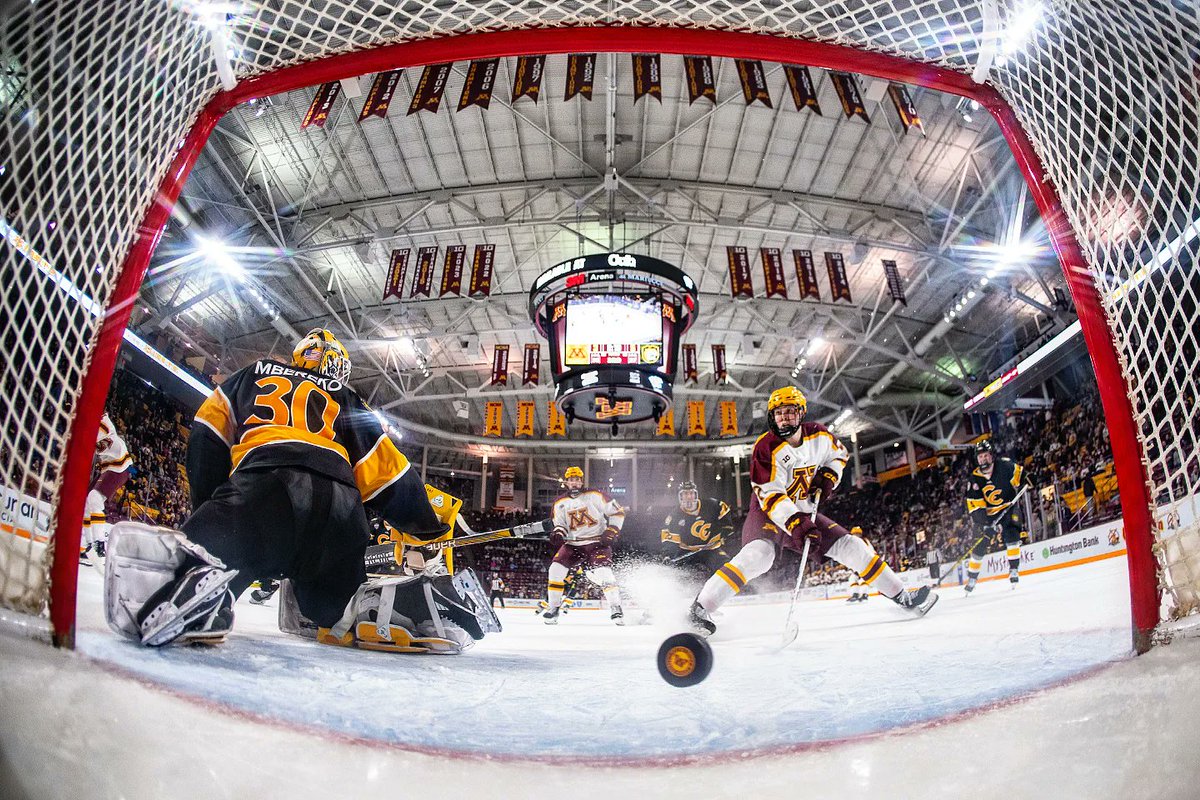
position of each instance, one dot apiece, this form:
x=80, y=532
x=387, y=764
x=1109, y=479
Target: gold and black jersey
x=705, y=530
x=271, y=415
x=989, y=496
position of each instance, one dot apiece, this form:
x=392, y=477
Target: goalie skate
x=189, y=605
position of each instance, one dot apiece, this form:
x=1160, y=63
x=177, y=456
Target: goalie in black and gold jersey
x=281, y=460
x=701, y=528
x=992, y=492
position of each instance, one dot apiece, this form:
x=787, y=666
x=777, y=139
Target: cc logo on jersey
x=700, y=529
x=992, y=495
x=580, y=518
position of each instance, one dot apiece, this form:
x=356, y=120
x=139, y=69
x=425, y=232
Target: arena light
x=1024, y=20
x=217, y=253
x=815, y=345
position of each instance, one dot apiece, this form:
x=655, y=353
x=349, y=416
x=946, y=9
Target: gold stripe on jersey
x=975, y=504
x=1016, y=478
x=724, y=510
x=769, y=502
x=556, y=586
x=673, y=538
x=873, y=569
x=262, y=435
x=217, y=414
x=382, y=465
x=119, y=462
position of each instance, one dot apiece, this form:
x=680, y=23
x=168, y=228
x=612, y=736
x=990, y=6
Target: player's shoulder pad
x=813, y=428
x=767, y=443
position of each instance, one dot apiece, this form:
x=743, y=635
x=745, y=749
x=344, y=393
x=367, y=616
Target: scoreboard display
x=611, y=329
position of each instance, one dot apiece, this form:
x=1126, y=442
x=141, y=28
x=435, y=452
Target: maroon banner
x=804, y=92
x=481, y=270
x=321, y=105
x=477, y=88
x=754, y=82
x=848, y=92
x=527, y=81
x=806, y=274
x=690, y=370
x=531, y=370
x=739, y=272
x=647, y=76
x=396, y=272
x=905, y=109
x=772, y=261
x=500, y=365
x=452, y=269
x=423, y=279
x=379, y=99
x=581, y=74
x=895, y=285
x=701, y=79
x=430, y=88
x=720, y=374
x=839, y=285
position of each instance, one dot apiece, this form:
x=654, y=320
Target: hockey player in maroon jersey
x=793, y=465
x=586, y=524
x=281, y=460
x=113, y=463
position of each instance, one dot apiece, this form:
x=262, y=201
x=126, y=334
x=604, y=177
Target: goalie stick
x=386, y=554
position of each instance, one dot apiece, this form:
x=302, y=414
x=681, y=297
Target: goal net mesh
x=97, y=98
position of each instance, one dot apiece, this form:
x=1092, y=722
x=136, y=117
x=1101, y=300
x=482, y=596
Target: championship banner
x=804, y=93
x=895, y=285
x=729, y=420
x=666, y=423
x=695, y=420
x=647, y=76
x=701, y=80
x=396, y=272
x=531, y=369
x=739, y=272
x=525, y=418
x=379, y=99
x=556, y=424
x=839, y=285
x=527, y=82
x=494, y=420
x=772, y=261
x=423, y=280
x=452, y=270
x=848, y=92
x=720, y=374
x=754, y=82
x=500, y=365
x=477, y=88
x=806, y=274
x=506, y=486
x=581, y=74
x=690, y=371
x=905, y=109
x=430, y=88
x=481, y=270
x=322, y=104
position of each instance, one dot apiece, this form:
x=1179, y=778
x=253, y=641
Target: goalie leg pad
x=141, y=560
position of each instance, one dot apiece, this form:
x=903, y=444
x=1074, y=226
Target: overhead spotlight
x=971, y=295
x=983, y=281
x=815, y=345
x=217, y=253
x=964, y=109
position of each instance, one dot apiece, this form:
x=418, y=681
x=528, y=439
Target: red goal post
x=893, y=40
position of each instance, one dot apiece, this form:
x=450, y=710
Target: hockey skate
x=700, y=621
x=264, y=593
x=918, y=602
x=1014, y=577
x=550, y=615
x=212, y=628
x=969, y=586
x=618, y=616
x=184, y=606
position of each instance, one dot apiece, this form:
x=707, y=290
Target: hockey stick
x=971, y=549
x=792, y=629
x=386, y=554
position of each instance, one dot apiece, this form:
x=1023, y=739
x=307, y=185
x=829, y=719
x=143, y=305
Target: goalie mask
x=689, y=497
x=573, y=474
x=783, y=398
x=320, y=351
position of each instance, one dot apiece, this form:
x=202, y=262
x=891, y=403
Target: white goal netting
x=97, y=98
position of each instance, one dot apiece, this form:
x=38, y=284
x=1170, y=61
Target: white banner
x=24, y=531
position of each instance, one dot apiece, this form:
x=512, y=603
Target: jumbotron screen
x=613, y=329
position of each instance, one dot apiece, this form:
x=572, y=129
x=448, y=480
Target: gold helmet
x=572, y=472
x=856, y=530
x=320, y=351
x=785, y=396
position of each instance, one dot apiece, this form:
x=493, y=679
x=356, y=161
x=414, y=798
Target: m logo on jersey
x=579, y=518
x=622, y=408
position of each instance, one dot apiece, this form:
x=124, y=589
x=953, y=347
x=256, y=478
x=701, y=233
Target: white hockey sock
x=607, y=581
x=753, y=560
x=858, y=556
x=555, y=585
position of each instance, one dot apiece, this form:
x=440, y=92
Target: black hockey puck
x=684, y=659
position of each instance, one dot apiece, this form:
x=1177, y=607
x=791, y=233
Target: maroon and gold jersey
x=780, y=473
x=583, y=519
x=270, y=415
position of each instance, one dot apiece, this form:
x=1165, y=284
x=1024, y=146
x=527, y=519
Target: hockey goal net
x=104, y=113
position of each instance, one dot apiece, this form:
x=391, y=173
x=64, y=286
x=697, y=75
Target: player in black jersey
x=281, y=460
x=991, y=494
x=701, y=527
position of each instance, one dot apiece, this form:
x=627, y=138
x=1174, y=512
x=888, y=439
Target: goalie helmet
x=785, y=396
x=689, y=497
x=320, y=351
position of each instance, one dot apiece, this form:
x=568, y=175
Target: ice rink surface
x=867, y=698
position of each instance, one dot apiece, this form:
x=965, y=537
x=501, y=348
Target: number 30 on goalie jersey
x=273, y=415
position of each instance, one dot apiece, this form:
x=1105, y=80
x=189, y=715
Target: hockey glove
x=823, y=482
x=801, y=525
x=557, y=539
x=609, y=536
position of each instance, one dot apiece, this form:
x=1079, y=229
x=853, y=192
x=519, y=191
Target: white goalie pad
x=141, y=560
